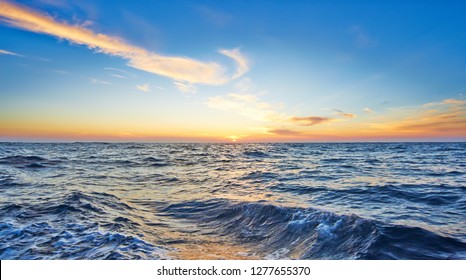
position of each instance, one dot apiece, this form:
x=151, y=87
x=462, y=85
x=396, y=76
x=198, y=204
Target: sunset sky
x=223, y=71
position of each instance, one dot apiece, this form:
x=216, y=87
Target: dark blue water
x=233, y=201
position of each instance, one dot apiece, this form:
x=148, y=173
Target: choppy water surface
x=233, y=201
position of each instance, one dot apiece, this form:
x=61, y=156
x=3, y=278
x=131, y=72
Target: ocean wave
x=307, y=233
x=32, y=162
x=22, y=159
x=255, y=154
x=71, y=241
x=430, y=195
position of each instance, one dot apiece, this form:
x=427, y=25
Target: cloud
x=250, y=105
x=447, y=117
x=245, y=104
x=118, y=76
x=346, y=115
x=447, y=103
x=460, y=102
x=242, y=63
x=144, y=87
x=439, y=124
x=177, y=68
x=9, y=53
x=185, y=87
x=310, y=120
x=97, y=81
x=368, y=110
x=284, y=132
x=120, y=71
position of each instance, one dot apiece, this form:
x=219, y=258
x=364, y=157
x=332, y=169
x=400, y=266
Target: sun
x=233, y=138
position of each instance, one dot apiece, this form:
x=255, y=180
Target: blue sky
x=233, y=70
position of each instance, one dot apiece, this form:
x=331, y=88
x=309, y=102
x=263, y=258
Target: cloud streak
x=120, y=71
x=310, y=120
x=97, y=81
x=345, y=115
x=284, y=132
x=448, y=115
x=9, y=53
x=177, y=68
x=443, y=118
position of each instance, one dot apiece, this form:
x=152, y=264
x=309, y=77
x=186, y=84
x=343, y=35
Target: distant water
x=233, y=201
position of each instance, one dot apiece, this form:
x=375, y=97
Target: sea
x=233, y=201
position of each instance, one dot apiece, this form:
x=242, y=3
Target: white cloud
x=245, y=104
x=118, y=76
x=178, y=68
x=368, y=110
x=120, y=71
x=185, y=87
x=97, y=81
x=144, y=87
x=9, y=53
x=242, y=62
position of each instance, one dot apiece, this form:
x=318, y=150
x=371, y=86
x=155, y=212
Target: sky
x=232, y=71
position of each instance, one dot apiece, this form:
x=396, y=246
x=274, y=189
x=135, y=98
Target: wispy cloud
x=368, y=110
x=118, y=76
x=284, y=132
x=120, y=71
x=144, y=87
x=178, y=68
x=9, y=53
x=97, y=81
x=346, y=115
x=435, y=118
x=310, y=120
x=185, y=87
x=245, y=104
x=459, y=102
x=242, y=63
x=448, y=115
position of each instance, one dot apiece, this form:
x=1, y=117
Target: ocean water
x=233, y=201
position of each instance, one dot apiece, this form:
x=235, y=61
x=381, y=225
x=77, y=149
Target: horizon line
x=228, y=142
